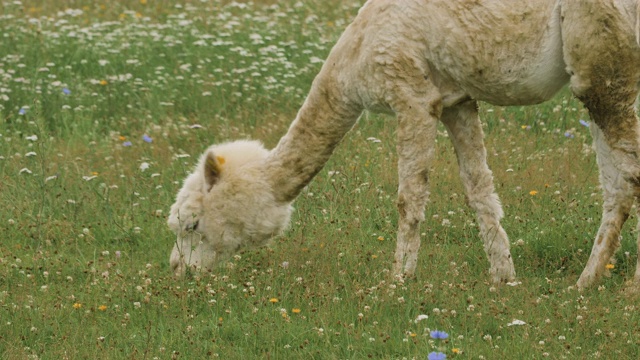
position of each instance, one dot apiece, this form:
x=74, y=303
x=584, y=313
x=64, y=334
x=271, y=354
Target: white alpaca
x=225, y=205
x=430, y=61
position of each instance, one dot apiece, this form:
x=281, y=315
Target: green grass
x=84, y=254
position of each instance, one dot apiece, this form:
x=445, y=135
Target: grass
x=104, y=109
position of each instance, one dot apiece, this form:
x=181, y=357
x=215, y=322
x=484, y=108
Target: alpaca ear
x=212, y=169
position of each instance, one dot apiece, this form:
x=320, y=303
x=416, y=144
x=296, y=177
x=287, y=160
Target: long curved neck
x=323, y=120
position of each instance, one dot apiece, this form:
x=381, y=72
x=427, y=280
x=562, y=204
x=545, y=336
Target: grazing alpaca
x=430, y=61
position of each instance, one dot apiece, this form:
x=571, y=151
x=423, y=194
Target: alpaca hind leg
x=618, y=200
x=604, y=76
x=416, y=134
x=465, y=131
x=635, y=283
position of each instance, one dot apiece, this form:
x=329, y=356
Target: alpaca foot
x=588, y=277
x=632, y=288
x=502, y=271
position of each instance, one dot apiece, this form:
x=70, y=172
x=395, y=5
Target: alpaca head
x=225, y=205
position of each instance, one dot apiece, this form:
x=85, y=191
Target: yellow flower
x=143, y=2
x=381, y=238
x=295, y=310
x=413, y=334
x=273, y=300
x=533, y=192
x=610, y=266
x=103, y=82
x=374, y=256
x=77, y=306
x=455, y=351
x=102, y=307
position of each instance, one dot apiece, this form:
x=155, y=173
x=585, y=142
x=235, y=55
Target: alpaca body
x=429, y=61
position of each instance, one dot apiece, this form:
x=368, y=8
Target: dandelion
x=610, y=266
x=77, y=305
x=380, y=238
x=440, y=335
x=102, y=307
x=436, y=356
x=533, y=192
x=456, y=351
x=273, y=300
x=104, y=82
x=147, y=138
x=296, y=311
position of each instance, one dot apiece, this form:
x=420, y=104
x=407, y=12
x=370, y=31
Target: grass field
x=106, y=106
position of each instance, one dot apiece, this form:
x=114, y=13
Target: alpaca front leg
x=618, y=199
x=416, y=140
x=465, y=131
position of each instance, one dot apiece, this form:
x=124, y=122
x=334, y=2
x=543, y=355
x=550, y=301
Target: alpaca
x=430, y=61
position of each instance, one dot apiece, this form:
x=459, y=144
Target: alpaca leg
x=466, y=133
x=618, y=199
x=416, y=134
x=604, y=76
x=636, y=278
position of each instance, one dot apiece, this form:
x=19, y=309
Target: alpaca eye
x=192, y=226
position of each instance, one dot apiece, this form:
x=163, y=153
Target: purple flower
x=568, y=135
x=437, y=334
x=584, y=123
x=66, y=91
x=147, y=138
x=126, y=143
x=22, y=111
x=436, y=356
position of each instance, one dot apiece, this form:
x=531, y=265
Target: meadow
x=106, y=106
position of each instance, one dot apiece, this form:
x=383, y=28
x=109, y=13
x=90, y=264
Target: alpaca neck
x=321, y=123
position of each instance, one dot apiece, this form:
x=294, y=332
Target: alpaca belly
x=496, y=52
x=504, y=86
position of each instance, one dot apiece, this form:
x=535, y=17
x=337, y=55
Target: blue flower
x=126, y=143
x=437, y=334
x=436, y=356
x=568, y=135
x=22, y=111
x=66, y=91
x=584, y=123
x=147, y=138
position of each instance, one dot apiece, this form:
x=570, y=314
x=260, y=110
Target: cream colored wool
x=429, y=61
